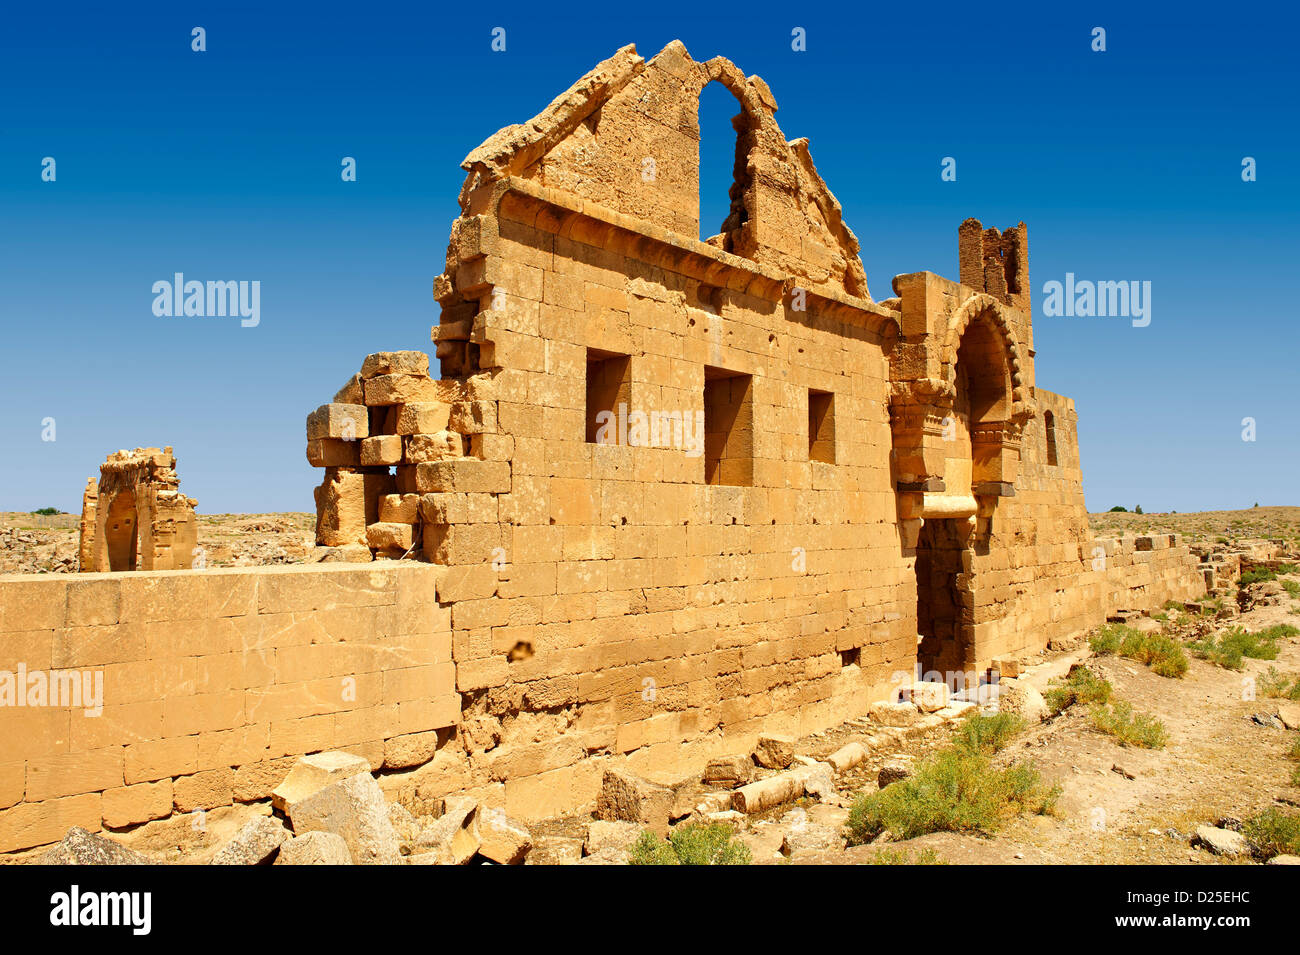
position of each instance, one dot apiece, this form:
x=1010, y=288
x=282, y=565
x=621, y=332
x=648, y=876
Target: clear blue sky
x=225, y=165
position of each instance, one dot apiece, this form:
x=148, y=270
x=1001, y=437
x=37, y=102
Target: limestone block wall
x=211, y=682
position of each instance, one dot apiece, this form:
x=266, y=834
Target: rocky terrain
x=40, y=544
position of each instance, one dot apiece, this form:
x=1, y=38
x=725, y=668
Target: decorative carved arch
x=977, y=306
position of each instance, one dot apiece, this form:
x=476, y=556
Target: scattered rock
x=729, y=770
x=313, y=773
x=453, y=838
x=254, y=844
x=1221, y=842
x=818, y=781
x=894, y=714
x=1289, y=714
x=627, y=798
x=847, y=756
x=1267, y=719
x=929, y=697
x=891, y=774
x=1025, y=701
x=555, y=850
x=353, y=808
x=810, y=837
x=314, y=848
x=774, y=752
x=1284, y=860
x=606, y=837
x=80, y=847
x=501, y=839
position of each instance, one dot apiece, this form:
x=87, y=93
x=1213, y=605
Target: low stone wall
x=211, y=684
x=214, y=681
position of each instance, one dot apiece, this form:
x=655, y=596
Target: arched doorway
x=120, y=532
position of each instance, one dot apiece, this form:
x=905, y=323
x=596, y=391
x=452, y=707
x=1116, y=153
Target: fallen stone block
x=627, y=798
x=313, y=773
x=818, y=781
x=928, y=697
x=501, y=839
x=847, y=756
x=1289, y=714
x=81, y=847
x=254, y=844
x=555, y=850
x=894, y=714
x=606, y=836
x=810, y=837
x=1221, y=842
x=729, y=770
x=314, y=848
x=1284, y=860
x=452, y=838
x=891, y=774
x=769, y=792
x=774, y=752
x=354, y=809
x=1023, y=700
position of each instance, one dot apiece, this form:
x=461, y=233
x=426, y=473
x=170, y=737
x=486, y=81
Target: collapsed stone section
x=405, y=463
x=135, y=517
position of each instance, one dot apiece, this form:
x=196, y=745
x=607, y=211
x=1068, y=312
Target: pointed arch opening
x=726, y=138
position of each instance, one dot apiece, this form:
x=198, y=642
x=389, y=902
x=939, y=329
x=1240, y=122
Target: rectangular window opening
x=609, y=385
x=821, y=426
x=728, y=427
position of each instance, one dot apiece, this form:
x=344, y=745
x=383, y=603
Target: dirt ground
x=1218, y=763
x=1205, y=526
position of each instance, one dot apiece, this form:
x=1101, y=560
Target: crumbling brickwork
x=663, y=496
x=135, y=517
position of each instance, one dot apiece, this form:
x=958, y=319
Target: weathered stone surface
x=314, y=848
x=605, y=837
x=313, y=773
x=1023, y=700
x=847, y=756
x=501, y=839
x=628, y=798
x=769, y=792
x=354, y=809
x=774, y=752
x=892, y=774
x=254, y=844
x=929, y=697
x=729, y=770
x=895, y=714
x=454, y=837
x=1289, y=715
x=80, y=847
x=1222, y=842
x=555, y=850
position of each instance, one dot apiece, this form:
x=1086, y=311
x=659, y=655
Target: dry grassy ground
x=1205, y=526
x=36, y=544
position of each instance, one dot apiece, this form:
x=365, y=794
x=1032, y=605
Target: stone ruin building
x=135, y=517
x=662, y=496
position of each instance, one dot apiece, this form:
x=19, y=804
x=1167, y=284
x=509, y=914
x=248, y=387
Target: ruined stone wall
x=213, y=682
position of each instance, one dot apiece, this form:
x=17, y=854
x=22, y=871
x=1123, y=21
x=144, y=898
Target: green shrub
x=1275, y=684
x=1162, y=654
x=986, y=734
x=1273, y=833
x=1228, y=649
x=903, y=857
x=1129, y=728
x=692, y=844
x=1081, y=686
x=1107, y=639
x=1256, y=576
x=1292, y=587
x=953, y=790
x=47, y=511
